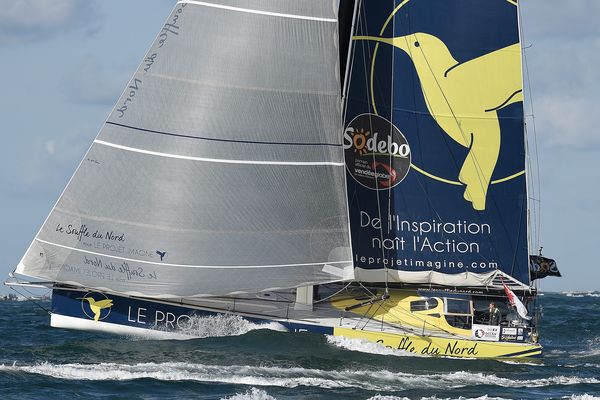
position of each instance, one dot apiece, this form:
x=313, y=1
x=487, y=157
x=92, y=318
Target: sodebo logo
x=364, y=145
x=377, y=153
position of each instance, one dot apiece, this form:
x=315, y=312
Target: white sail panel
x=220, y=169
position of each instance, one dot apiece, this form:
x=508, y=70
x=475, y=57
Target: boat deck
x=280, y=305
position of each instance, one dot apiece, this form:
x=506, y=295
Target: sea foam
x=365, y=346
x=484, y=397
x=582, y=294
x=252, y=394
x=367, y=379
x=218, y=325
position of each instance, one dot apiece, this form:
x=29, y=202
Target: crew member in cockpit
x=494, y=316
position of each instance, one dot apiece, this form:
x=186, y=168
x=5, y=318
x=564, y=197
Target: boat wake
x=218, y=325
x=290, y=377
x=364, y=346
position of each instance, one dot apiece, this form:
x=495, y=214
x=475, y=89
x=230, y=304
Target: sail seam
x=261, y=12
x=188, y=265
x=217, y=160
x=222, y=140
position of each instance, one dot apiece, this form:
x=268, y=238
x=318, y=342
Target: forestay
x=220, y=169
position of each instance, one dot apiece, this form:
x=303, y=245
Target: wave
x=252, y=394
x=579, y=366
x=528, y=362
x=582, y=397
x=258, y=394
x=374, y=380
x=582, y=294
x=593, y=349
x=364, y=346
x=484, y=397
x=218, y=325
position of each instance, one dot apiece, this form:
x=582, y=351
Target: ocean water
x=237, y=361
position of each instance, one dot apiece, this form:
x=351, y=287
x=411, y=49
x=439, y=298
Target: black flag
x=541, y=267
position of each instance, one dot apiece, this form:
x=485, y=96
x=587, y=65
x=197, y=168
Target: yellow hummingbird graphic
x=97, y=306
x=463, y=99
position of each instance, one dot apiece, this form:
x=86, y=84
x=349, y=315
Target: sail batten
x=260, y=12
x=214, y=160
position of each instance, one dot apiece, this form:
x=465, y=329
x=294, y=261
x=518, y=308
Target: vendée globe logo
x=377, y=154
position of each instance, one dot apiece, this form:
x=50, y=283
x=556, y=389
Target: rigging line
x=366, y=289
x=398, y=322
x=363, y=316
x=31, y=300
x=377, y=189
x=397, y=325
x=535, y=140
x=530, y=178
x=389, y=210
x=393, y=312
x=444, y=136
x=350, y=58
x=384, y=26
x=374, y=314
x=366, y=53
x=335, y=294
x=532, y=205
x=536, y=207
x=414, y=93
x=424, y=191
x=514, y=260
x=349, y=71
x=180, y=135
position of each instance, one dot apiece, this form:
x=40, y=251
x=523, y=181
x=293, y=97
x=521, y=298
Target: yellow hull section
x=445, y=347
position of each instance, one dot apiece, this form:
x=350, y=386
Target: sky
x=64, y=63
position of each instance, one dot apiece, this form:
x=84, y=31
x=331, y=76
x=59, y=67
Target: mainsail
x=220, y=169
x=434, y=143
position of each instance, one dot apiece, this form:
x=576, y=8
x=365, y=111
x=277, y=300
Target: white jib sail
x=220, y=169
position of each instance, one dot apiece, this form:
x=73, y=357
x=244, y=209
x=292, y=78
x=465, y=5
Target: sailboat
x=350, y=168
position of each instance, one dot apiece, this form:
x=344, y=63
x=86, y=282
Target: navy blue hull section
x=147, y=314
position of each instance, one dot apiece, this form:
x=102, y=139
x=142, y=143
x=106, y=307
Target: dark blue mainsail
x=434, y=142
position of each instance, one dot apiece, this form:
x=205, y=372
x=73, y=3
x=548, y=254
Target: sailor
x=494, y=314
